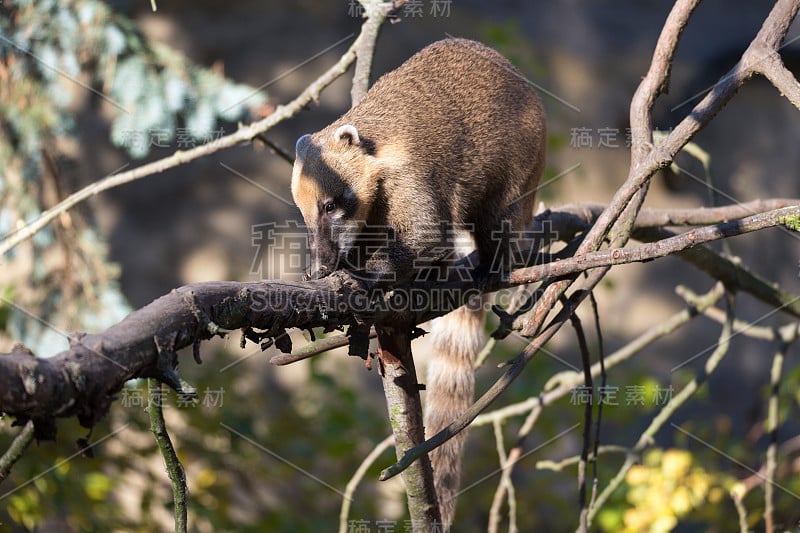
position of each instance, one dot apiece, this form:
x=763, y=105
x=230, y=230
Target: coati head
x=334, y=185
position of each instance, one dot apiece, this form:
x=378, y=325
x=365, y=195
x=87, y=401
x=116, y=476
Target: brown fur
x=455, y=134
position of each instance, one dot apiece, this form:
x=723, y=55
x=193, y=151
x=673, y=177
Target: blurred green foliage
x=53, y=55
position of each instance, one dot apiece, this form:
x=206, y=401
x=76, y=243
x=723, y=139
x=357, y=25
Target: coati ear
x=301, y=147
x=347, y=133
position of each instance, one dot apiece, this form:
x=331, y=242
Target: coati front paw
x=482, y=274
x=316, y=273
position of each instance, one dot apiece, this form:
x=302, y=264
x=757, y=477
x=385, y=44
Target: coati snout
x=333, y=213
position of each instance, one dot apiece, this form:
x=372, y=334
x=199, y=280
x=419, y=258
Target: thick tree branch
x=401, y=389
x=83, y=380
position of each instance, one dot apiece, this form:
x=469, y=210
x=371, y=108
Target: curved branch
x=359, y=474
x=376, y=12
x=656, y=81
x=180, y=157
x=15, y=451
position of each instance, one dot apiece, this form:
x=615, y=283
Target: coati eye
x=329, y=206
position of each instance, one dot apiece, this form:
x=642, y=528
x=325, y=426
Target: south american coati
x=453, y=139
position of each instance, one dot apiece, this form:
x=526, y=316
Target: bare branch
x=16, y=450
x=375, y=12
x=772, y=430
x=177, y=475
x=785, y=334
x=562, y=384
x=359, y=474
x=314, y=348
x=505, y=485
x=656, y=81
x=557, y=466
x=661, y=248
x=242, y=135
x=731, y=272
x=587, y=420
x=574, y=218
x=781, y=77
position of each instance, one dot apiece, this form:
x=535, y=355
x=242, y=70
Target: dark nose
x=324, y=255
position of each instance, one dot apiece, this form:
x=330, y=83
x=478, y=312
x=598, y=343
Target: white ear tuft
x=347, y=132
x=301, y=147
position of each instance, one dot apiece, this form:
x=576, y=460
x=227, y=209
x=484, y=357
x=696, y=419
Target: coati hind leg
x=498, y=238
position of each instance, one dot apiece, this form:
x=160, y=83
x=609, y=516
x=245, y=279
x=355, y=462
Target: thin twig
x=558, y=466
x=756, y=479
x=787, y=333
x=508, y=486
x=176, y=473
x=741, y=512
x=772, y=430
x=314, y=348
x=587, y=419
x=602, y=361
x=730, y=271
x=563, y=383
x=277, y=150
x=16, y=450
x=505, y=486
x=646, y=438
x=352, y=485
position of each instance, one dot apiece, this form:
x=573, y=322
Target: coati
x=453, y=138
